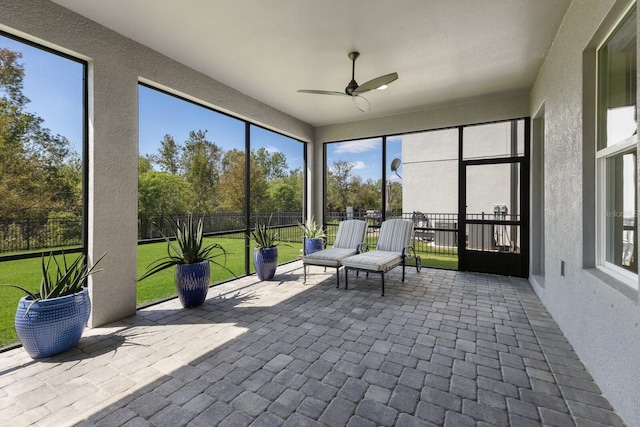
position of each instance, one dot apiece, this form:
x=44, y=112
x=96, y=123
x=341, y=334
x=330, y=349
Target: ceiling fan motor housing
x=353, y=85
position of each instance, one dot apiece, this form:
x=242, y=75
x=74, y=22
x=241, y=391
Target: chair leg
x=338, y=277
x=346, y=278
x=382, y=275
x=304, y=269
x=403, y=265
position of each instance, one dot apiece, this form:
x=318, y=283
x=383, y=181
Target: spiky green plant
x=60, y=278
x=312, y=230
x=188, y=248
x=264, y=236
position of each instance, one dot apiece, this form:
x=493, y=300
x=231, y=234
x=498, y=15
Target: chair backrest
x=395, y=235
x=350, y=234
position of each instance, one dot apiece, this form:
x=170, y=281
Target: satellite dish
x=395, y=164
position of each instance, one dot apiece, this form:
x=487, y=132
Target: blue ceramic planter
x=313, y=245
x=192, y=283
x=52, y=326
x=265, y=261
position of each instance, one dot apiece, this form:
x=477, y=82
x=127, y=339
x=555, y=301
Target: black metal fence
x=33, y=234
x=434, y=233
x=229, y=224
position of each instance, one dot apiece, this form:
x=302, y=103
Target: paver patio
x=443, y=348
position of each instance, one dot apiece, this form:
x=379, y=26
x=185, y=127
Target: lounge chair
x=349, y=240
x=393, y=249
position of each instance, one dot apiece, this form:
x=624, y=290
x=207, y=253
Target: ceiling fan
x=354, y=90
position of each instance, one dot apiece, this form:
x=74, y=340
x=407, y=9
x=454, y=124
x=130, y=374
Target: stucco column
x=315, y=196
x=113, y=182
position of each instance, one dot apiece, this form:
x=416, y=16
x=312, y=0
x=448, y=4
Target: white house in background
x=430, y=180
x=430, y=169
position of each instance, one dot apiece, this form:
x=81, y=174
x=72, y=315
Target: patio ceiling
x=445, y=52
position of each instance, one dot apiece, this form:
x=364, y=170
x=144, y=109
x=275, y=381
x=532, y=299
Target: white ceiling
x=444, y=51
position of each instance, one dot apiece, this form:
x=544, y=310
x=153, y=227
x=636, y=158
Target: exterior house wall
x=116, y=65
x=430, y=169
x=600, y=318
x=430, y=172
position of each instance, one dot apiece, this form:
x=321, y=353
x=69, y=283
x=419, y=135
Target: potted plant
x=192, y=260
x=314, y=236
x=51, y=321
x=265, y=251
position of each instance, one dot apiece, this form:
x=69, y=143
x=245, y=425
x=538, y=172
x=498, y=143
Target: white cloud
x=392, y=139
x=359, y=146
x=358, y=164
x=271, y=149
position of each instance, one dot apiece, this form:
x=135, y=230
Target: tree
x=286, y=193
x=232, y=184
x=338, y=184
x=365, y=195
x=162, y=195
x=283, y=197
x=168, y=158
x=396, y=196
x=201, y=163
x=38, y=172
x=144, y=164
x=273, y=165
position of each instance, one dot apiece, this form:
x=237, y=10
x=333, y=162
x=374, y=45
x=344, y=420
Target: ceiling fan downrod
x=353, y=85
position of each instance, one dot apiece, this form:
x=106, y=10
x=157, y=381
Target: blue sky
x=366, y=156
x=54, y=86
x=162, y=114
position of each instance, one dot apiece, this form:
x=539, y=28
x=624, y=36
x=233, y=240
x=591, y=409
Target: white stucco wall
x=600, y=321
x=430, y=169
x=116, y=65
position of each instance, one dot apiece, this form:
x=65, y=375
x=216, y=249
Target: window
x=42, y=146
x=42, y=165
x=192, y=160
x=354, y=179
x=393, y=175
x=277, y=187
x=616, y=155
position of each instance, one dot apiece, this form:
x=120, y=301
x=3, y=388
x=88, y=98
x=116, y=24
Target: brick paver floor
x=443, y=348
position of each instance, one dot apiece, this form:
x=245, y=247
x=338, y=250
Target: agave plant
x=264, y=236
x=188, y=247
x=312, y=230
x=60, y=277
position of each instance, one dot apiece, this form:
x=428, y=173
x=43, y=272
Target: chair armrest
x=406, y=252
x=362, y=247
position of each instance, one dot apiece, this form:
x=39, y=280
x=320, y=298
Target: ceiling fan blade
x=324, y=92
x=361, y=103
x=376, y=83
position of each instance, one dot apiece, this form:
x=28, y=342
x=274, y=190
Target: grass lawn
x=27, y=273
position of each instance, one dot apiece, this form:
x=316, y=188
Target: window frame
x=602, y=155
x=83, y=247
